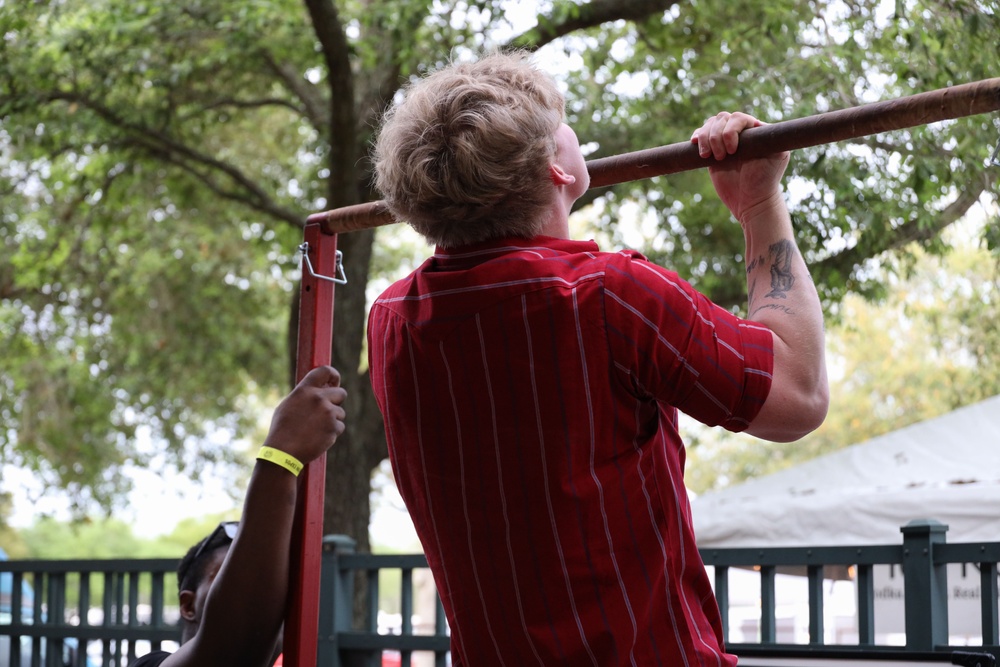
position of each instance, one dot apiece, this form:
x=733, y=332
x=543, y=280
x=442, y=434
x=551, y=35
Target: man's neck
x=557, y=224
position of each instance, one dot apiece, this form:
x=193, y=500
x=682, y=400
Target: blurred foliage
x=10, y=539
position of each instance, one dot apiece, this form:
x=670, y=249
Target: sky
x=158, y=503
x=153, y=508
x=162, y=499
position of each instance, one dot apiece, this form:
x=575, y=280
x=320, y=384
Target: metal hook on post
x=994, y=161
x=340, y=278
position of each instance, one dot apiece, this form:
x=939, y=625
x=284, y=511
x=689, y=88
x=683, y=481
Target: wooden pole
x=825, y=128
x=921, y=109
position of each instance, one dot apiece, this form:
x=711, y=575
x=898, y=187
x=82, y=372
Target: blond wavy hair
x=465, y=157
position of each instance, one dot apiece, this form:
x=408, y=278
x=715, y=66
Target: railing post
x=55, y=615
x=722, y=597
x=16, y=603
x=989, y=594
x=816, y=602
x=866, y=604
x=336, y=599
x=925, y=584
x=768, y=602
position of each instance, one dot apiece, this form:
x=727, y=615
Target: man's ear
x=560, y=177
x=188, y=612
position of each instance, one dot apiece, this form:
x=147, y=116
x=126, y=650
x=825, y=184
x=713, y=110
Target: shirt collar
x=470, y=255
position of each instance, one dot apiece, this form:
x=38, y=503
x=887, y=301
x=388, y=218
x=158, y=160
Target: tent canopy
x=947, y=468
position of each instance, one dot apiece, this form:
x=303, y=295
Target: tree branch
x=176, y=152
x=8, y=289
x=330, y=33
x=205, y=177
x=917, y=229
x=375, y=93
x=248, y=104
x=588, y=15
x=316, y=108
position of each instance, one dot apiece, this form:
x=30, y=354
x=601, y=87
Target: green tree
x=106, y=539
x=158, y=159
x=50, y=539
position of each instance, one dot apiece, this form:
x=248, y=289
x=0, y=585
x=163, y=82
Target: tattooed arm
x=780, y=290
x=782, y=296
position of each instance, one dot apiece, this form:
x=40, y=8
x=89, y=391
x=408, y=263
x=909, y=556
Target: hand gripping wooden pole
x=921, y=109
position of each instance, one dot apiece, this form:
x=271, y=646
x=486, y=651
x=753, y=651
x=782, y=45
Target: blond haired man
x=530, y=383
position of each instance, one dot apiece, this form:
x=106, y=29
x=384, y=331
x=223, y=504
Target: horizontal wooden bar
x=911, y=111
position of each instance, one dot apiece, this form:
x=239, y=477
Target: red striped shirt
x=530, y=391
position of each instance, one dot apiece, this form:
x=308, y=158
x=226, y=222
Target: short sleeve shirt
x=530, y=390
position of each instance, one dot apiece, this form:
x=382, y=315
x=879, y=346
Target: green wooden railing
x=40, y=623
x=129, y=610
x=922, y=557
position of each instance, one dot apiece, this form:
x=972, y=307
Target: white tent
x=946, y=469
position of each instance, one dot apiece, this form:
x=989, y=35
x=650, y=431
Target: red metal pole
x=315, y=342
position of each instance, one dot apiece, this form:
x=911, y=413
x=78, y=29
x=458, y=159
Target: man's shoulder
x=471, y=276
x=151, y=659
x=634, y=267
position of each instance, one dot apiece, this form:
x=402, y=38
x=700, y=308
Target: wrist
x=281, y=458
x=765, y=209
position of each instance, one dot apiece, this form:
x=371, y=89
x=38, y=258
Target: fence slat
x=990, y=603
x=866, y=604
x=815, y=587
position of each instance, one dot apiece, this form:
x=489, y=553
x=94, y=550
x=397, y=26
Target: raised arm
x=245, y=607
x=781, y=292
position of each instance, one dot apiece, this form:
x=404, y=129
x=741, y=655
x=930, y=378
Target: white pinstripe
x=503, y=496
x=465, y=502
x=597, y=481
x=423, y=463
x=481, y=288
x=652, y=325
x=684, y=566
x=659, y=538
x=545, y=479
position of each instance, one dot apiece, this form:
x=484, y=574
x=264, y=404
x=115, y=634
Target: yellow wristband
x=278, y=457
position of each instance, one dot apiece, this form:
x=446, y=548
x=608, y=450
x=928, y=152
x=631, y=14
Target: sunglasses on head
x=223, y=535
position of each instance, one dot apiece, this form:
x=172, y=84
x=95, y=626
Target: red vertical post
x=315, y=342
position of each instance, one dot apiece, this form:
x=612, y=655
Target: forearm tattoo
x=782, y=279
x=781, y=255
